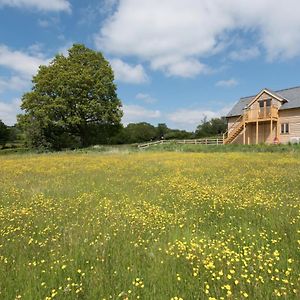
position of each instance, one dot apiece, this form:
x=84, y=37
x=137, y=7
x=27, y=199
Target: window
x=268, y=102
x=261, y=103
x=285, y=128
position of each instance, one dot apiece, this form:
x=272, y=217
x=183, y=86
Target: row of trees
x=132, y=133
x=142, y=132
x=73, y=103
x=8, y=134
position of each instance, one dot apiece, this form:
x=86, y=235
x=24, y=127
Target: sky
x=175, y=61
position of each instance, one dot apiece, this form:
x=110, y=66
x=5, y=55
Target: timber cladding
x=267, y=117
x=291, y=117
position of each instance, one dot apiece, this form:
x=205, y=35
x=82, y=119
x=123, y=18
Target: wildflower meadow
x=172, y=226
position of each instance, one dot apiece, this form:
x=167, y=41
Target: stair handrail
x=238, y=120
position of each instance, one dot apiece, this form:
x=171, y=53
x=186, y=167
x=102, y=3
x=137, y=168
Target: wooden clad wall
x=291, y=116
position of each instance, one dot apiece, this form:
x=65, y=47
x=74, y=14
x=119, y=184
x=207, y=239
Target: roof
x=292, y=95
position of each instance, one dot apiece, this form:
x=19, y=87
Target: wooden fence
x=216, y=141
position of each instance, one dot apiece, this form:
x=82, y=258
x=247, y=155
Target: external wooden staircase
x=231, y=134
x=265, y=114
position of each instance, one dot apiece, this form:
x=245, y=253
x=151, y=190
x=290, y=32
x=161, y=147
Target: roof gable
x=290, y=98
x=271, y=94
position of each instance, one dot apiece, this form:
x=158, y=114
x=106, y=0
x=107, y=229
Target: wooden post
x=244, y=134
x=271, y=130
x=256, y=132
x=249, y=132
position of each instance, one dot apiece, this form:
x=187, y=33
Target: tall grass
x=150, y=226
x=225, y=148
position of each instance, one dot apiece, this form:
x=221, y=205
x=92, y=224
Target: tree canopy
x=4, y=134
x=213, y=127
x=139, y=132
x=144, y=132
x=73, y=101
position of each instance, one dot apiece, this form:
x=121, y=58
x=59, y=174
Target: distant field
x=170, y=147
x=150, y=226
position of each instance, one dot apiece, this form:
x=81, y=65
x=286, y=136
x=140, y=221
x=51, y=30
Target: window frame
x=285, y=128
x=269, y=101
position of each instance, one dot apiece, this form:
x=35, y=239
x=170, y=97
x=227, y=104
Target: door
x=265, y=108
x=268, y=108
x=261, y=109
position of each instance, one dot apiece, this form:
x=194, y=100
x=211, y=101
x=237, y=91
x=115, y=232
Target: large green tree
x=73, y=101
x=4, y=134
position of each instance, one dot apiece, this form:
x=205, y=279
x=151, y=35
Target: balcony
x=261, y=114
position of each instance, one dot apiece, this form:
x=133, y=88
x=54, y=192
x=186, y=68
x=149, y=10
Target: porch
x=260, y=131
x=260, y=125
x=254, y=126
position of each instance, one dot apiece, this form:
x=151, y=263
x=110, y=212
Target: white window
x=285, y=128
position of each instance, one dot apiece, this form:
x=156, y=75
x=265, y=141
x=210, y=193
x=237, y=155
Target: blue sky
x=175, y=61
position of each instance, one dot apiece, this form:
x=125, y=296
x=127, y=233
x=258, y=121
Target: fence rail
x=216, y=141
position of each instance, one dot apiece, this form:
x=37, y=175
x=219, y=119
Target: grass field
x=150, y=226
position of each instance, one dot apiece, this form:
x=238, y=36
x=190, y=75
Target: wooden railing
x=258, y=114
x=267, y=113
x=208, y=141
x=233, y=127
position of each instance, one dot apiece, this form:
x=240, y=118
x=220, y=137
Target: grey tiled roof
x=292, y=95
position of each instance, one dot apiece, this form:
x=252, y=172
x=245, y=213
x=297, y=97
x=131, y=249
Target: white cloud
x=21, y=62
x=44, y=23
x=108, y=5
x=92, y=12
x=190, y=116
x=227, y=83
x=22, y=66
x=137, y=113
x=64, y=50
x=188, y=119
x=175, y=36
x=48, y=21
x=244, y=54
x=145, y=98
x=9, y=111
x=178, y=67
x=43, y=5
x=15, y=83
x=128, y=73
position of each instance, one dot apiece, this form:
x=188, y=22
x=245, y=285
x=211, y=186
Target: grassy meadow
x=150, y=226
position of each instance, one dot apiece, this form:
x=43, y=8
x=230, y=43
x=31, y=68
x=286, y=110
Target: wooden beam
x=271, y=130
x=249, y=133
x=244, y=134
x=256, y=132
